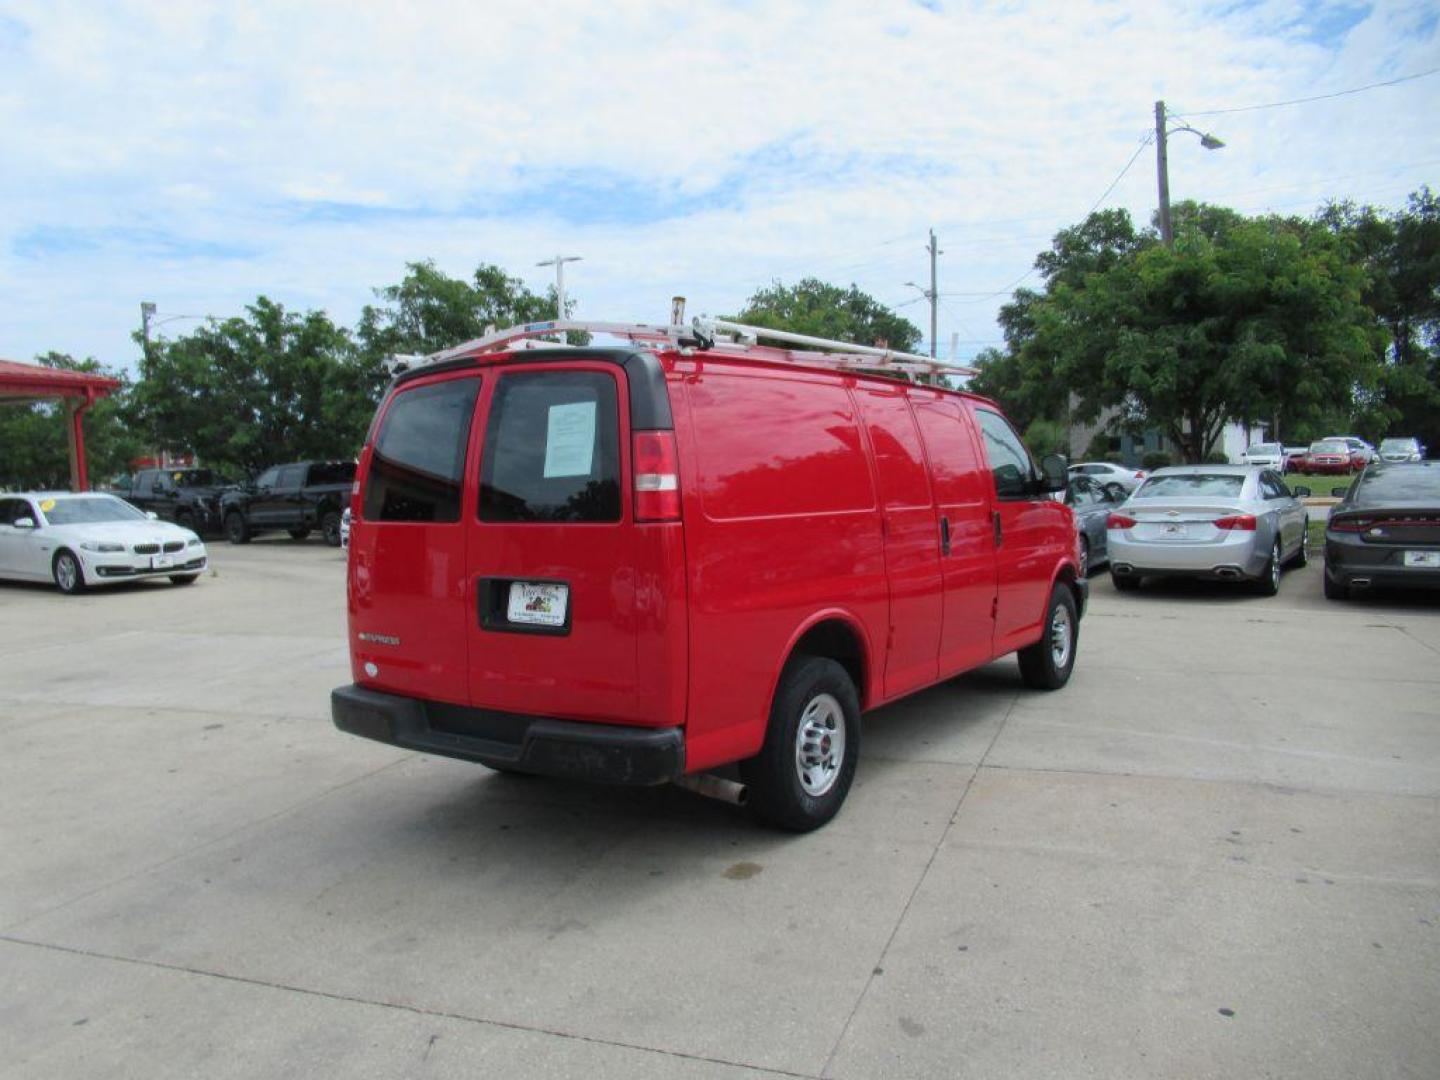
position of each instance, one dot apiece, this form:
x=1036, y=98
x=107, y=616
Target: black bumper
x=603, y=753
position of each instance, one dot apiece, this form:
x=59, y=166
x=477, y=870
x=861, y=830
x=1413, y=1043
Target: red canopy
x=78, y=390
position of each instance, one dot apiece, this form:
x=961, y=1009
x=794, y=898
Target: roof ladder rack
x=732, y=339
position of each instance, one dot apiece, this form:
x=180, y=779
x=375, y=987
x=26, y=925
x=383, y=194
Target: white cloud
x=198, y=155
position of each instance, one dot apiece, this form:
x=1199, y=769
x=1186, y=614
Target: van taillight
x=1119, y=521
x=657, y=476
x=1239, y=522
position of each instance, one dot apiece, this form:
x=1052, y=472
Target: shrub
x=1156, y=459
x=1215, y=457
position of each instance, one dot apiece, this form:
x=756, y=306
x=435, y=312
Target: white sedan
x=79, y=540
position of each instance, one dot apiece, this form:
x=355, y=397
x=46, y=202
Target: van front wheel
x=1047, y=664
x=803, y=772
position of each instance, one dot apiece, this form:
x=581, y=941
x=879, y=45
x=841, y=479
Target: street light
x=1162, y=166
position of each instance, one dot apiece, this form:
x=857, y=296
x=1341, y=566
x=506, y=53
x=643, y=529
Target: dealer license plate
x=1175, y=530
x=538, y=604
x=161, y=562
x=1423, y=558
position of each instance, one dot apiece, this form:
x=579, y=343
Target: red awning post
x=75, y=432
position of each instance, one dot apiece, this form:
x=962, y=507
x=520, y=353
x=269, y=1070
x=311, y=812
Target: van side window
x=418, y=463
x=552, y=449
x=899, y=460
x=953, y=457
x=1009, y=460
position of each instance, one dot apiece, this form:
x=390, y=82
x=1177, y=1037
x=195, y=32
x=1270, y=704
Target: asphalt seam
x=879, y=965
x=416, y=1010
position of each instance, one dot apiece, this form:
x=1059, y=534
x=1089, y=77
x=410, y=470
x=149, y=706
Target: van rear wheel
x=802, y=774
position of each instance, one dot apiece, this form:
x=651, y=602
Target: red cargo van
x=644, y=563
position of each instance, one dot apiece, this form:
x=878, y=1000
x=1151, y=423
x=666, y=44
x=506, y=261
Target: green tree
x=822, y=310
x=246, y=392
x=34, y=448
x=1242, y=319
x=429, y=311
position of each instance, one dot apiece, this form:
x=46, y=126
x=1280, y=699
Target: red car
x=645, y=563
x=1330, y=457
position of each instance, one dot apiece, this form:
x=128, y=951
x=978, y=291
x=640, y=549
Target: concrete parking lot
x=1194, y=861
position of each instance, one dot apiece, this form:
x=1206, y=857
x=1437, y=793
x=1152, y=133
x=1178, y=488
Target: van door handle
x=944, y=535
x=999, y=534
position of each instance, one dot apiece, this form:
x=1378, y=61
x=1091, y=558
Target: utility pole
x=934, y=293
x=559, y=262
x=1162, y=169
x=147, y=312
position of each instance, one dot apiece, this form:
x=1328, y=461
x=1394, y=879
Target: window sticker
x=47, y=506
x=570, y=440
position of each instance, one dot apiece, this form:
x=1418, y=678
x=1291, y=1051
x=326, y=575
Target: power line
x=1317, y=97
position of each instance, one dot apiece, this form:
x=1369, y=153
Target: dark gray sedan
x=1386, y=530
x=1092, y=503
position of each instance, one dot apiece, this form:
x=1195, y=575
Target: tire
x=1084, y=557
x=186, y=520
x=1268, y=583
x=1335, y=590
x=802, y=774
x=183, y=579
x=69, y=575
x=330, y=528
x=236, y=531
x=1047, y=664
x=1124, y=582
x=298, y=534
x=1302, y=556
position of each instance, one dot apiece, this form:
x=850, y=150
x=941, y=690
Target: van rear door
x=552, y=620
x=407, y=581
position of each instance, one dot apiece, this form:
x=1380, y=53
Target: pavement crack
x=879, y=964
x=416, y=1010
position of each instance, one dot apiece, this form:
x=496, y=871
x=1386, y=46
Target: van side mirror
x=24, y=523
x=1056, y=472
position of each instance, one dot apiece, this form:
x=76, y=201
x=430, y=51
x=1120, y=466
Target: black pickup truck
x=189, y=497
x=296, y=498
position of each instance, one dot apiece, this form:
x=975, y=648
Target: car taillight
x=657, y=476
x=1348, y=525
x=1140, y=475
x=1119, y=521
x=1239, y=522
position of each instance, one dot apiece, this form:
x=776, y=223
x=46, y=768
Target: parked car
x=1401, y=450
x=1361, y=452
x=1092, y=503
x=1229, y=522
x=81, y=540
x=189, y=497
x=641, y=564
x=297, y=499
x=1106, y=472
x=1329, y=457
x=345, y=528
x=1386, y=530
x=1295, y=458
x=1265, y=455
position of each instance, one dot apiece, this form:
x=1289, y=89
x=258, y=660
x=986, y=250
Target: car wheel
x=69, y=577
x=1268, y=584
x=1335, y=590
x=298, y=534
x=236, y=531
x=1124, y=582
x=183, y=579
x=802, y=774
x=1084, y=556
x=330, y=528
x=1047, y=664
x=1302, y=556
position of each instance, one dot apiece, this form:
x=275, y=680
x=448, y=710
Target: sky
x=199, y=155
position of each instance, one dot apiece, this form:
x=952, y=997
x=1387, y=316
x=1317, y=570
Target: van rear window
x=418, y=465
x=552, y=449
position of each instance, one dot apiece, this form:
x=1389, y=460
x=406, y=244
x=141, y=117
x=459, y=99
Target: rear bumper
x=603, y=753
x=1237, y=556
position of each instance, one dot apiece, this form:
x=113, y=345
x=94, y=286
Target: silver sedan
x=1226, y=522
